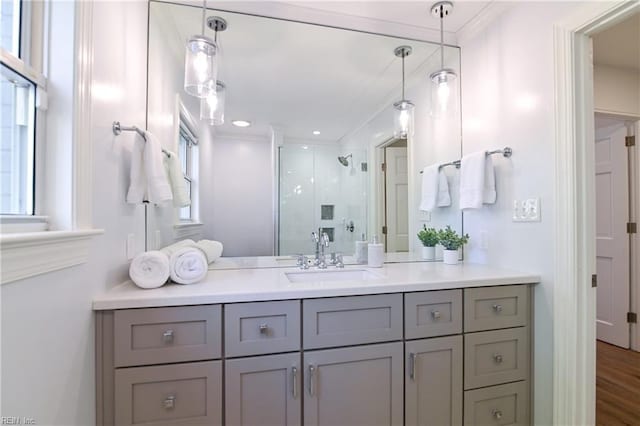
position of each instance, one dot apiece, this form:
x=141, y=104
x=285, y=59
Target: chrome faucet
x=324, y=242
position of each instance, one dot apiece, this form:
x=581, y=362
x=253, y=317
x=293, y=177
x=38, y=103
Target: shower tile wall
x=310, y=178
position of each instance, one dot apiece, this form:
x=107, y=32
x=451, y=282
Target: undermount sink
x=331, y=275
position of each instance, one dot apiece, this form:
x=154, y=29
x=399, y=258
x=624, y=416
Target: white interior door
x=397, y=204
x=612, y=246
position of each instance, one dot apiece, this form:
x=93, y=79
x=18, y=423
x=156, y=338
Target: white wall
x=508, y=100
x=237, y=195
x=47, y=321
x=616, y=90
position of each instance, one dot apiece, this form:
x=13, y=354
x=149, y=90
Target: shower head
x=344, y=160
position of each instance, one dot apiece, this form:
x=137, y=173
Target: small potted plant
x=429, y=238
x=451, y=242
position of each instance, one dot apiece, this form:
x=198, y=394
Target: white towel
x=158, y=189
x=176, y=180
x=188, y=265
x=212, y=249
x=137, y=175
x=477, y=181
x=430, y=181
x=444, y=198
x=149, y=269
x=170, y=249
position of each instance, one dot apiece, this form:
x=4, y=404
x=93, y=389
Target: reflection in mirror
x=319, y=152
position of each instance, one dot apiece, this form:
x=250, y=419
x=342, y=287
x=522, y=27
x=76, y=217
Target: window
x=20, y=82
x=187, y=147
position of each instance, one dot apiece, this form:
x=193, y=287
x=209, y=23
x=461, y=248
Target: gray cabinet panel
x=264, y=391
x=433, y=381
x=160, y=335
x=494, y=357
x=432, y=313
x=261, y=328
x=342, y=321
x=354, y=386
x=490, y=308
x=498, y=405
x=180, y=394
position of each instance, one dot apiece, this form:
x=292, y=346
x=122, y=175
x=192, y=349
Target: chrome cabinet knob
x=497, y=308
x=169, y=403
x=435, y=315
x=497, y=414
x=497, y=358
x=167, y=336
x=264, y=328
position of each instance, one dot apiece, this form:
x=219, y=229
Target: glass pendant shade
x=441, y=91
x=403, y=119
x=200, y=66
x=212, y=107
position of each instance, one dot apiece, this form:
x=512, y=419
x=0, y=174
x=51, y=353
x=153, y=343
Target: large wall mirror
x=319, y=101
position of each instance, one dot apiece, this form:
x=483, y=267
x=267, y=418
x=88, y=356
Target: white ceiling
x=302, y=77
x=619, y=46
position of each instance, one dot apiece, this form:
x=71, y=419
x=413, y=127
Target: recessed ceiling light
x=316, y=132
x=241, y=123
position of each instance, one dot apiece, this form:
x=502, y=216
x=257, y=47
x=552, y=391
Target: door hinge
x=594, y=280
x=384, y=230
x=383, y=166
x=629, y=141
x=632, y=228
x=632, y=317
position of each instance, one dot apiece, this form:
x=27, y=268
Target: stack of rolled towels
x=185, y=262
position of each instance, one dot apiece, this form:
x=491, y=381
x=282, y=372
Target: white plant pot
x=428, y=253
x=450, y=257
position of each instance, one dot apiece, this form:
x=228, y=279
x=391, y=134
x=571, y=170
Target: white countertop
x=249, y=285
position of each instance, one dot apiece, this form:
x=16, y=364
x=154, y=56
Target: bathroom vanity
x=420, y=343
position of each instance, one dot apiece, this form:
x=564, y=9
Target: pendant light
x=403, y=109
x=200, y=64
x=441, y=89
x=212, y=105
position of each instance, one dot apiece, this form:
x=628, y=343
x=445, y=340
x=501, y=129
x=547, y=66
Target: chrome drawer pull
x=435, y=315
x=497, y=308
x=497, y=414
x=167, y=336
x=264, y=328
x=169, y=402
x=497, y=358
x=312, y=373
x=294, y=379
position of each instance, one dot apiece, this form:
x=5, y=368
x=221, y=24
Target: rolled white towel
x=188, y=265
x=169, y=250
x=212, y=249
x=149, y=269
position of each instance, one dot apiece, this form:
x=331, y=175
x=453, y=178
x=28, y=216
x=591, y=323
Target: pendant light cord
x=403, y=55
x=441, y=36
x=204, y=14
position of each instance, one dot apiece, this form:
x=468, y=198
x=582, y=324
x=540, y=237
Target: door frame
x=380, y=186
x=574, y=352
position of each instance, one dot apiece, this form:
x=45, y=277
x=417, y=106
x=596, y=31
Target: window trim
x=33, y=253
x=187, y=124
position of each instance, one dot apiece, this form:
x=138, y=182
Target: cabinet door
x=354, y=386
x=433, y=381
x=264, y=391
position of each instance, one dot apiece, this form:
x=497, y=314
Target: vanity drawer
x=184, y=394
x=497, y=405
x=432, y=313
x=344, y=321
x=494, y=357
x=490, y=308
x=161, y=335
x=261, y=328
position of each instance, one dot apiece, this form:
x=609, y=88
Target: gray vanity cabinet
x=264, y=390
x=354, y=386
x=433, y=381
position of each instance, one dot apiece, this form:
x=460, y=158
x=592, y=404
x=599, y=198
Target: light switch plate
x=425, y=216
x=526, y=210
x=131, y=246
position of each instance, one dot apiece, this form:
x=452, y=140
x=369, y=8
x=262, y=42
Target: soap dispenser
x=375, y=253
x=361, y=250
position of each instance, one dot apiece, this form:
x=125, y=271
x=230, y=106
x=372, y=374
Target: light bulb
x=443, y=95
x=404, y=121
x=201, y=67
x=212, y=101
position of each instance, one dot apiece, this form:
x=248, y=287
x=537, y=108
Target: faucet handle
x=339, y=261
x=314, y=237
x=325, y=239
x=302, y=261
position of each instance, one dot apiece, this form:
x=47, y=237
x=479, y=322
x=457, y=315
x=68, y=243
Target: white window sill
x=185, y=230
x=27, y=254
